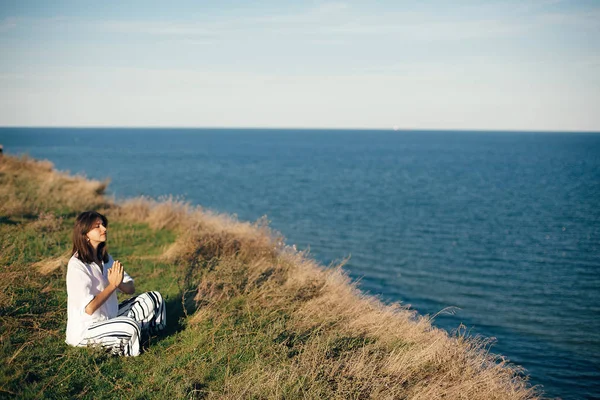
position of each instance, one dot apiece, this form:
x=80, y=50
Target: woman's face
x=97, y=234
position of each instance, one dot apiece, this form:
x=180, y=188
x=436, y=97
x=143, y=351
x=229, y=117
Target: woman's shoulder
x=75, y=262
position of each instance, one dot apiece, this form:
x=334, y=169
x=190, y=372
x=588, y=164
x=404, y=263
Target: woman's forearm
x=127, y=287
x=100, y=299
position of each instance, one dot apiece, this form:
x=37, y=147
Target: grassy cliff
x=249, y=317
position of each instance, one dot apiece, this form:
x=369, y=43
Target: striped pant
x=121, y=335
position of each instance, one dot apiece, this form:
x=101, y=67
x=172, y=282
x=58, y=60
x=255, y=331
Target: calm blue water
x=502, y=227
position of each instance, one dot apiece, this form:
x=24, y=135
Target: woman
x=93, y=278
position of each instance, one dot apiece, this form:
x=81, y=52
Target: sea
x=496, y=234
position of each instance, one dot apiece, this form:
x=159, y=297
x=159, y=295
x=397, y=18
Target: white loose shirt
x=84, y=282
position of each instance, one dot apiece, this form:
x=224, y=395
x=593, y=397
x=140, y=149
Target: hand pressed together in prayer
x=115, y=274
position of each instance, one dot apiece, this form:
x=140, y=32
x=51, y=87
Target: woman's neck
x=97, y=258
x=94, y=246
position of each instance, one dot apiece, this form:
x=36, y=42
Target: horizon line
x=392, y=129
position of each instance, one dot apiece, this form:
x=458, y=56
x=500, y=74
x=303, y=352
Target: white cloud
x=335, y=18
x=583, y=19
x=330, y=7
x=154, y=28
x=431, y=30
x=8, y=23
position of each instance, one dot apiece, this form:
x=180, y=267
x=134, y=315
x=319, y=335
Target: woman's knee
x=159, y=317
x=156, y=300
x=157, y=296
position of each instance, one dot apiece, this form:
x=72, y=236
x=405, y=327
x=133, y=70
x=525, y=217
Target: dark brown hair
x=82, y=249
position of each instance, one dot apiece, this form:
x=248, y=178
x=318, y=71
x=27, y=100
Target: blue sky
x=516, y=65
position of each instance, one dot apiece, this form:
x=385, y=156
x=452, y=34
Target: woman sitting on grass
x=93, y=278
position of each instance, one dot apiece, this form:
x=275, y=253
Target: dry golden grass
x=50, y=265
x=167, y=214
x=29, y=187
x=390, y=351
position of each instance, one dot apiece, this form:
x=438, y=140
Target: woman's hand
x=115, y=274
x=115, y=279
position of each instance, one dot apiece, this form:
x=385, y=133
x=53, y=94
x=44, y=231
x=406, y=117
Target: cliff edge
x=249, y=316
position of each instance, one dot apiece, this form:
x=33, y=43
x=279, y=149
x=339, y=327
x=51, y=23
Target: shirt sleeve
x=79, y=285
x=126, y=277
